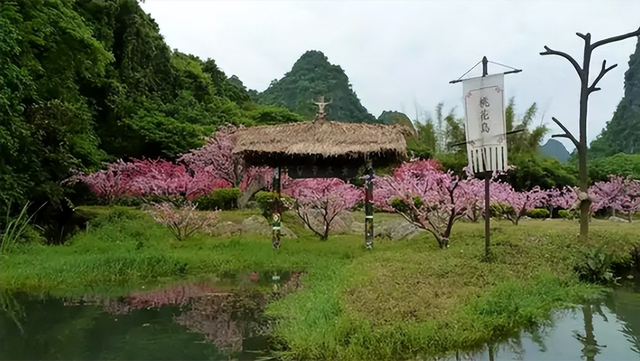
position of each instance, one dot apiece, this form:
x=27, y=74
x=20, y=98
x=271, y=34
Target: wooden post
x=277, y=210
x=487, y=219
x=368, y=208
x=487, y=184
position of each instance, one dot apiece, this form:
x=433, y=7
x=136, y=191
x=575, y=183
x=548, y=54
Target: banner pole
x=487, y=184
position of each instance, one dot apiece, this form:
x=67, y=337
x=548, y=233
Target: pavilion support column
x=277, y=210
x=368, y=207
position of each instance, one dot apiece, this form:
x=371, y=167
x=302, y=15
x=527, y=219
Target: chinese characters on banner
x=485, y=124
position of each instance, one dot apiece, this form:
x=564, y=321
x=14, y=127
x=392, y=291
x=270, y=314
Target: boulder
x=226, y=229
x=618, y=219
x=357, y=227
x=341, y=224
x=259, y=225
x=397, y=230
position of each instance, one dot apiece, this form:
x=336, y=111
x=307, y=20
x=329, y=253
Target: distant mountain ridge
x=554, y=149
x=313, y=76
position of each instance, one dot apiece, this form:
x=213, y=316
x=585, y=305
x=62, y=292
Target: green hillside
x=622, y=133
x=313, y=76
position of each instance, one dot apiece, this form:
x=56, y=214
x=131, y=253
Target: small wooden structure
x=322, y=149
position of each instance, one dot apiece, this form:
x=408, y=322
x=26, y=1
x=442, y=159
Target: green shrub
x=538, y=213
x=265, y=203
x=220, y=199
x=499, y=210
x=401, y=206
x=129, y=202
x=567, y=214
x=596, y=266
x=114, y=214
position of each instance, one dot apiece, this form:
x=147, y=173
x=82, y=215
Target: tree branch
x=584, y=37
x=567, y=133
x=615, y=38
x=573, y=62
x=603, y=71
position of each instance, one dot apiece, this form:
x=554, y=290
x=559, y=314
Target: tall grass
x=15, y=228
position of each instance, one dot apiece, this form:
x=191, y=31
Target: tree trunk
x=582, y=148
x=443, y=242
x=252, y=189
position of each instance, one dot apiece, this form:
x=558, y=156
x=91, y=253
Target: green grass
x=402, y=300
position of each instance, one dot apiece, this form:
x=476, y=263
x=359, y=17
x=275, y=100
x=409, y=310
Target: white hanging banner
x=485, y=123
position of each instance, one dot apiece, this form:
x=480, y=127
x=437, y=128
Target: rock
x=357, y=227
x=618, y=219
x=226, y=229
x=341, y=224
x=397, y=230
x=259, y=225
x=252, y=205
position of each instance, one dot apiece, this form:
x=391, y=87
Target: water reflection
x=178, y=322
x=592, y=332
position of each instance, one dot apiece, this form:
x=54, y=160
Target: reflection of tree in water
x=590, y=345
x=225, y=318
x=172, y=295
x=228, y=319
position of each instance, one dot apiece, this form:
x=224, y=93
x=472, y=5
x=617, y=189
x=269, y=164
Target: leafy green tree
x=626, y=165
x=531, y=171
x=269, y=115
x=47, y=56
x=527, y=141
x=83, y=82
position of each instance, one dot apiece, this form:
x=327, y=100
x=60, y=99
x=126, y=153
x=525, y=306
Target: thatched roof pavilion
x=320, y=142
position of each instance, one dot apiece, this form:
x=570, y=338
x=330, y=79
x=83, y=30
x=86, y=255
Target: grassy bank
x=401, y=300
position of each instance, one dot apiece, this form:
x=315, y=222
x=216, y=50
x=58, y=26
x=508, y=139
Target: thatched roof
x=320, y=141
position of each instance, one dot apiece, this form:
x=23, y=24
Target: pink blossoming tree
x=565, y=198
x=619, y=193
x=328, y=196
x=217, y=158
x=108, y=184
x=167, y=181
x=183, y=221
x=425, y=196
x=158, y=179
x=513, y=204
x=603, y=194
x=628, y=202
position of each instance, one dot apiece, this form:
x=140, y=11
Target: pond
x=195, y=321
x=207, y=321
x=604, y=331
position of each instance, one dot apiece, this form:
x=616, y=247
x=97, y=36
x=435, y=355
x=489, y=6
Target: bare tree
x=585, y=91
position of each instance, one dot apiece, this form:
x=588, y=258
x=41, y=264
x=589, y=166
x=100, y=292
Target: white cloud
x=401, y=52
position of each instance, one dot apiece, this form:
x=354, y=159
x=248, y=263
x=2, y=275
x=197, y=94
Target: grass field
x=402, y=300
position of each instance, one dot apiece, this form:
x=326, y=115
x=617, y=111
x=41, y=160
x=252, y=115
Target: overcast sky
x=402, y=53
